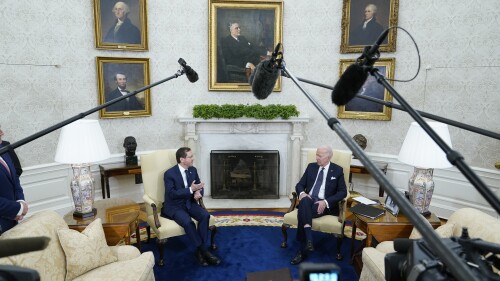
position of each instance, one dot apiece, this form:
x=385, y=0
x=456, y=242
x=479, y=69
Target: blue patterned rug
x=247, y=241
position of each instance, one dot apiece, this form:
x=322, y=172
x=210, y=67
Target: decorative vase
x=421, y=187
x=82, y=189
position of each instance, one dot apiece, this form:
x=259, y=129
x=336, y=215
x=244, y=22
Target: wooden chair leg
x=213, y=230
x=161, y=246
x=284, y=228
x=339, y=246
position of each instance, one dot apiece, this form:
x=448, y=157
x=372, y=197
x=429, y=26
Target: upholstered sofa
x=479, y=224
x=127, y=263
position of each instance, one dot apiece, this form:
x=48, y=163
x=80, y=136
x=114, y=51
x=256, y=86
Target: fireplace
x=244, y=174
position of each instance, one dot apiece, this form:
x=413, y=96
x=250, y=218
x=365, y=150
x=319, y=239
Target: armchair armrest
x=342, y=209
x=150, y=202
x=293, y=202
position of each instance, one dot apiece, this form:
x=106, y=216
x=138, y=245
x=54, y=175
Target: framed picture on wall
x=117, y=77
x=359, y=108
x=241, y=34
x=364, y=20
x=121, y=25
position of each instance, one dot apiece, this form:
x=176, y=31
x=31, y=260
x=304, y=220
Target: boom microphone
x=356, y=74
x=16, y=246
x=265, y=75
x=191, y=75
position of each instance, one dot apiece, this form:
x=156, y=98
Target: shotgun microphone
x=16, y=246
x=356, y=74
x=191, y=75
x=265, y=75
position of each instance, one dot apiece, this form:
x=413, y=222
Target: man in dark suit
x=130, y=103
x=123, y=31
x=320, y=190
x=369, y=30
x=183, y=189
x=237, y=50
x=13, y=208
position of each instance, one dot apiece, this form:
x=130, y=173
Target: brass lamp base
x=85, y=215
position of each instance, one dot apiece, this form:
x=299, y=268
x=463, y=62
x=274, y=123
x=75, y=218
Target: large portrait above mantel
x=241, y=34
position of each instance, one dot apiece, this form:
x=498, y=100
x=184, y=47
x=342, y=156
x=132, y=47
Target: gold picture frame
x=359, y=108
x=129, y=74
x=230, y=60
x=356, y=35
x=120, y=25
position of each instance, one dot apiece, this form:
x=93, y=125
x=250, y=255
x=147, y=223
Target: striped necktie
x=317, y=185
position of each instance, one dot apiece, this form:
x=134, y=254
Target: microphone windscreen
x=191, y=75
x=349, y=84
x=264, y=79
x=16, y=246
x=402, y=245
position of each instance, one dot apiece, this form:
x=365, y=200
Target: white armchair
x=328, y=224
x=153, y=167
x=479, y=224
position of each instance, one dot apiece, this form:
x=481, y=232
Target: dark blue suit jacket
x=10, y=192
x=176, y=193
x=335, y=188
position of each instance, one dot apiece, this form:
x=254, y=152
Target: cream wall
x=48, y=72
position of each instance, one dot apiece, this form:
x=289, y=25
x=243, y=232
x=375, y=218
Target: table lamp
x=81, y=143
x=420, y=151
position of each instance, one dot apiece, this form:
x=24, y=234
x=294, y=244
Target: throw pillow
x=86, y=250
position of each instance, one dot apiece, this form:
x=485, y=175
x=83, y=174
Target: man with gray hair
x=320, y=190
x=123, y=31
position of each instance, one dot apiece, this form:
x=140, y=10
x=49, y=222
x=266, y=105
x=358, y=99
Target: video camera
x=414, y=260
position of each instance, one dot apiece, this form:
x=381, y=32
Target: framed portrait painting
x=364, y=20
x=359, y=108
x=241, y=34
x=121, y=25
x=117, y=77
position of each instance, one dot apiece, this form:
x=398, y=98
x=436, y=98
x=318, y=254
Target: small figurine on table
x=130, y=146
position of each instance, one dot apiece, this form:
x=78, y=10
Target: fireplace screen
x=244, y=174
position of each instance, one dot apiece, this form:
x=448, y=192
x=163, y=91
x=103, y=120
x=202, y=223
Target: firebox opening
x=244, y=174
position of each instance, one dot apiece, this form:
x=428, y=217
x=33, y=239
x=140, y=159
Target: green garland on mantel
x=233, y=111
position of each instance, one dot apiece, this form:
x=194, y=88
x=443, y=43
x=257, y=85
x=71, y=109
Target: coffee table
x=119, y=216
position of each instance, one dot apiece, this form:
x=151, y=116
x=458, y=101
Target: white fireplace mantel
x=286, y=136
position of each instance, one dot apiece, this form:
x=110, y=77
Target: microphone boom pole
x=456, y=265
x=422, y=113
x=83, y=114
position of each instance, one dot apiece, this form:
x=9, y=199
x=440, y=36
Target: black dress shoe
x=309, y=246
x=298, y=258
x=211, y=258
x=201, y=259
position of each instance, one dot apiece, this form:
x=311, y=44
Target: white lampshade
x=81, y=142
x=419, y=150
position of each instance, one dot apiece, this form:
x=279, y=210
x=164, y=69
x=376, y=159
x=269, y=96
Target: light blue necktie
x=317, y=185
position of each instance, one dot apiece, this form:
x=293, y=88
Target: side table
x=119, y=217
x=113, y=170
x=358, y=168
x=384, y=228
